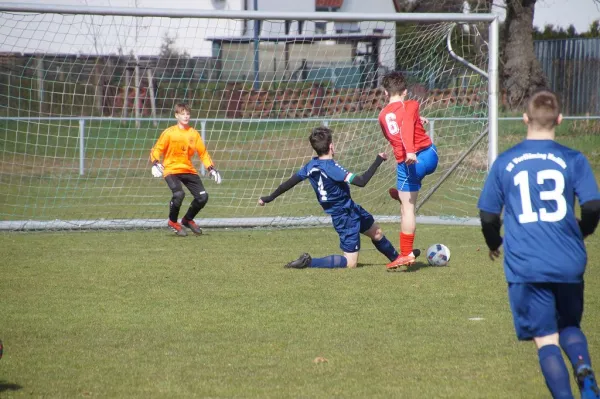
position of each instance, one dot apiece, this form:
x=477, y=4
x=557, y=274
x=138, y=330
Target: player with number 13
x=535, y=183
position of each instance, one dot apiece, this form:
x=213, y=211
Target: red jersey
x=402, y=127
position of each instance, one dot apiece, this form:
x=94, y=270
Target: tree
x=521, y=73
x=594, y=30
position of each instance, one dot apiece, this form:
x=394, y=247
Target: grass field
x=144, y=314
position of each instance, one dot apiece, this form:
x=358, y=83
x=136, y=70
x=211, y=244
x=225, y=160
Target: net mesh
x=83, y=98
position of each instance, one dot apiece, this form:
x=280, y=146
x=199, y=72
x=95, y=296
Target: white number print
x=390, y=120
x=528, y=216
x=322, y=191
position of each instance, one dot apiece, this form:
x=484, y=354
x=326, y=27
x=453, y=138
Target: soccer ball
x=438, y=255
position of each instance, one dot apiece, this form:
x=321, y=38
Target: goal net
x=83, y=98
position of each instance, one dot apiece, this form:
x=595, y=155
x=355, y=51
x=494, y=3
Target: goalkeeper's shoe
x=587, y=381
x=190, y=224
x=176, y=227
x=394, y=194
x=301, y=263
x=404, y=261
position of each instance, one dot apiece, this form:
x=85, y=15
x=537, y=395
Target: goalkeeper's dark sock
x=329, y=262
x=385, y=247
x=173, y=212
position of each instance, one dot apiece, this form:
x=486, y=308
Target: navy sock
x=575, y=345
x=329, y=262
x=385, y=247
x=555, y=372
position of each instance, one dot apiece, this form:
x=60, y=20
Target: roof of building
x=329, y=3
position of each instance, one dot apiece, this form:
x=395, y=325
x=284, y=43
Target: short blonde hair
x=543, y=110
x=180, y=107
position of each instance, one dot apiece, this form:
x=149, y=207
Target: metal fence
x=202, y=125
x=572, y=67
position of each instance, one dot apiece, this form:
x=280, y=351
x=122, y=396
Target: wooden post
x=9, y=90
x=126, y=92
x=98, y=92
x=286, y=58
x=152, y=96
x=40, y=81
x=136, y=103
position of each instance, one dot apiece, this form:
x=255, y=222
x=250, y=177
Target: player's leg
x=409, y=178
x=347, y=226
x=194, y=184
x=374, y=232
x=553, y=366
x=535, y=318
x=427, y=162
x=569, y=304
x=326, y=262
x=174, y=183
x=408, y=225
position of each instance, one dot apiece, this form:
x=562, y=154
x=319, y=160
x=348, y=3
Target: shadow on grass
x=417, y=266
x=368, y=264
x=7, y=386
x=413, y=268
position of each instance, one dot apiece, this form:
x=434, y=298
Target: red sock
x=406, y=243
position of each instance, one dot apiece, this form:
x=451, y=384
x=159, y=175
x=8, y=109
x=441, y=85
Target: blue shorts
x=350, y=224
x=541, y=309
x=409, y=177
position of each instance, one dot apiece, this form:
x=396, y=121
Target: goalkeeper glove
x=215, y=175
x=157, y=169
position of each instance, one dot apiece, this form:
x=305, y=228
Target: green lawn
x=144, y=314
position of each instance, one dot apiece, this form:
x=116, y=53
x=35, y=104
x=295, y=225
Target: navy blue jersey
x=536, y=183
x=330, y=182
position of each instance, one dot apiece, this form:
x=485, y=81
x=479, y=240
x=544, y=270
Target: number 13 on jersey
x=521, y=180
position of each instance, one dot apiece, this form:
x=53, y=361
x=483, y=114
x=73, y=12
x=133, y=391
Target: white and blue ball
x=438, y=255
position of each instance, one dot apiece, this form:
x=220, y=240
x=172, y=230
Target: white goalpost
x=86, y=91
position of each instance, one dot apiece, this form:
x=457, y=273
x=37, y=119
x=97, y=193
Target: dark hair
x=543, y=109
x=394, y=83
x=180, y=107
x=320, y=138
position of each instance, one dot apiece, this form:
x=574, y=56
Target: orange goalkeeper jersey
x=177, y=146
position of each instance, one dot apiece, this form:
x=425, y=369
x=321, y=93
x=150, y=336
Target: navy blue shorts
x=350, y=224
x=409, y=177
x=541, y=309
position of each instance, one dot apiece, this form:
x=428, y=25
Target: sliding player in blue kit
x=331, y=183
x=536, y=183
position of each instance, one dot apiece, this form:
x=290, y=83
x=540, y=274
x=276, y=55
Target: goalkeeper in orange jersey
x=177, y=145
x=415, y=153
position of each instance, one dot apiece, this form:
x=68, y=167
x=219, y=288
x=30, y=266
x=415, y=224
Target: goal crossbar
x=252, y=15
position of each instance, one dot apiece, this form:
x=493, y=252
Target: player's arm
x=207, y=160
x=490, y=204
x=362, y=180
x=283, y=187
x=159, y=147
x=157, y=152
x=490, y=226
x=590, y=216
x=203, y=153
x=586, y=190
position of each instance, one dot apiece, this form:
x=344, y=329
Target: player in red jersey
x=415, y=153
